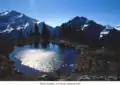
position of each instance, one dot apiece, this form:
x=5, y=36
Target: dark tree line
x=36, y=35
x=45, y=35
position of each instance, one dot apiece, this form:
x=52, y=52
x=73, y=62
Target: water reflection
x=36, y=43
x=46, y=59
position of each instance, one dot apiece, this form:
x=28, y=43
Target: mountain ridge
x=11, y=22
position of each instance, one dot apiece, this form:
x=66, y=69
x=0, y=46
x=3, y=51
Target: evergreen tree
x=30, y=33
x=45, y=33
x=36, y=34
x=36, y=28
x=21, y=36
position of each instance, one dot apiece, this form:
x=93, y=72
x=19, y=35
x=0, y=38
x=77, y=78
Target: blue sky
x=55, y=12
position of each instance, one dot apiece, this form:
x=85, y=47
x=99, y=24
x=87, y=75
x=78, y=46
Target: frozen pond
x=31, y=60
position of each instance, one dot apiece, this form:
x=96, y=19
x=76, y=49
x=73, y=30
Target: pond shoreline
x=13, y=74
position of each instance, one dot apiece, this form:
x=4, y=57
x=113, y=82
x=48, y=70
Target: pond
x=31, y=60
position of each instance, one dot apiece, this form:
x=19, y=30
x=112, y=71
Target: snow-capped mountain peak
x=14, y=21
x=11, y=22
x=117, y=27
x=4, y=13
x=109, y=28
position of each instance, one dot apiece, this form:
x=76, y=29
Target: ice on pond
x=39, y=59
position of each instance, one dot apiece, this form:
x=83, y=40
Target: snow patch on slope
x=26, y=25
x=7, y=30
x=21, y=15
x=18, y=28
x=4, y=13
x=117, y=27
